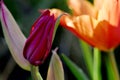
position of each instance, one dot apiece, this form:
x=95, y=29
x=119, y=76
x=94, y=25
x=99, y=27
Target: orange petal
x=79, y=26
x=98, y=34
x=98, y=3
x=84, y=28
x=106, y=36
x=80, y=7
x=110, y=12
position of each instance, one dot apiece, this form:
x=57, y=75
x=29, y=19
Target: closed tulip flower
x=97, y=24
x=39, y=42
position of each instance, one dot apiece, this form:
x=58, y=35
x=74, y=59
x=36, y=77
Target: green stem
x=35, y=73
x=87, y=54
x=97, y=65
x=111, y=65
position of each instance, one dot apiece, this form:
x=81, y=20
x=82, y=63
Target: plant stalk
x=35, y=73
x=111, y=65
x=97, y=65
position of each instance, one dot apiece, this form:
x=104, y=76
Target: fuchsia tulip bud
x=38, y=44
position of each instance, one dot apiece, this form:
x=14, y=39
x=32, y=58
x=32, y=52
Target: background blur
x=25, y=13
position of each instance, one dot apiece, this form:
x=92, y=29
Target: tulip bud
x=38, y=44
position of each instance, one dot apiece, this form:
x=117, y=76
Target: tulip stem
x=87, y=54
x=97, y=65
x=111, y=65
x=35, y=73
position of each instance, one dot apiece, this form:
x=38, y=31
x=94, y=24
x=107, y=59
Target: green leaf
x=55, y=71
x=13, y=36
x=77, y=72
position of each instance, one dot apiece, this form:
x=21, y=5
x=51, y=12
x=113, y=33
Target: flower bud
x=38, y=44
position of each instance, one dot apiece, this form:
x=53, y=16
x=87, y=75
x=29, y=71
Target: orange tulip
x=98, y=24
